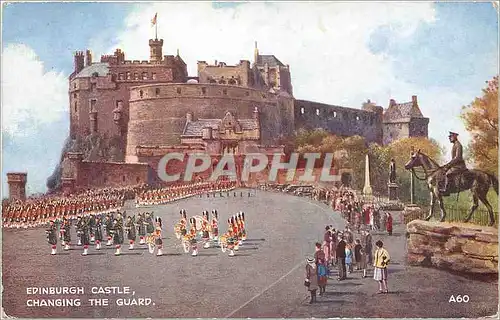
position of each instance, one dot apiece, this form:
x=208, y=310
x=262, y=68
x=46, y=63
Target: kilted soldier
x=205, y=229
x=78, y=227
x=231, y=241
x=85, y=235
x=66, y=228
x=158, y=239
x=52, y=236
x=131, y=234
x=192, y=232
x=98, y=232
x=141, y=225
x=150, y=229
x=234, y=227
x=109, y=227
x=215, y=225
x=117, y=231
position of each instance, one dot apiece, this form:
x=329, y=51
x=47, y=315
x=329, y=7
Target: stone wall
x=158, y=112
x=338, y=120
x=459, y=247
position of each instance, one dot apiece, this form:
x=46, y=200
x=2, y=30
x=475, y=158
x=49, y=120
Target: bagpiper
x=117, y=231
x=92, y=223
x=141, y=225
x=66, y=230
x=131, y=234
x=52, y=236
x=78, y=227
x=150, y=228
x=98, y=232
x=85, y=235
x=109, y=227
x=234, y=228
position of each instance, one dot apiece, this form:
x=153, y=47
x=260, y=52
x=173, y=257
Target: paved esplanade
x=264, y=279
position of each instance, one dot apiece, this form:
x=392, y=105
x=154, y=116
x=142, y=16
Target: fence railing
x=453, y=214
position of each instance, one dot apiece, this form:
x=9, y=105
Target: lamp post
x=412, y=189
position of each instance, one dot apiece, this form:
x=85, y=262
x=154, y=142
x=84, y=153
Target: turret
x=79, y=61
x=88, y=58
x=155, y=50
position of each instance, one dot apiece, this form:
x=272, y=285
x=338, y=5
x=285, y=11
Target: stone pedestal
x=392, y=191
x=412, y=212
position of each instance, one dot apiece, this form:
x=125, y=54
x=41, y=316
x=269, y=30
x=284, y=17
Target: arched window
x=141, y=93
x=157, y=91
x=302, y=110
x=76, y=106
x=317, y=112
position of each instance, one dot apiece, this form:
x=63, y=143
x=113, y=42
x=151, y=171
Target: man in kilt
x=85, y=234
x=52, y=236
x=158, y=239
x=205, y=229
x=117, y=232
x=215, y=225
x=98, y=232
x=109, y=227
x=193, y=232
x=131, y=234
x=150, y=228
x=141, y=225
x=78, y=227
x=66, y=231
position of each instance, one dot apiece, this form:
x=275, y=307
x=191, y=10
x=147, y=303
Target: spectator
x=348, y=258
x=311, y=278
x=389, y=223
x=382, y=259
x=340, y=252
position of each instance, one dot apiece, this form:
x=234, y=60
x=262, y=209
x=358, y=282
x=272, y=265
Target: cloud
x=31, y=97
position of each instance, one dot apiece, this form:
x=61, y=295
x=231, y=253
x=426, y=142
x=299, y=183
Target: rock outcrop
x=459, y=247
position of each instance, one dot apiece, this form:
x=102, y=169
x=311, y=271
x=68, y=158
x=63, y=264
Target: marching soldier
x=215, y=225
x=52, y=236
x=109, y=226
x=141, y=225
x=150, y=228
x=66, y=229
x=98, y=232
x=158, y=239
x=85, y=235
x=117, y=232
x=78, y=227
x=131, y=234
x=92, y=222
x=205, y=229
x=192, y=234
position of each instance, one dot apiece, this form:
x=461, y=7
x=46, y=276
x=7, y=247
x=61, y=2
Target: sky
x=340, y=53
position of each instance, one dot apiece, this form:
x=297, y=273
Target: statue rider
x=456, y=164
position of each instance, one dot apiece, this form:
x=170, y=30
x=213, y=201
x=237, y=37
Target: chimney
x=414, y=100
x=88, y=58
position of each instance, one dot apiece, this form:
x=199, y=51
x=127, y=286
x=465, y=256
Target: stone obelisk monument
x=367, y=189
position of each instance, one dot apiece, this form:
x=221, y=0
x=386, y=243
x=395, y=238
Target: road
x=264, y=279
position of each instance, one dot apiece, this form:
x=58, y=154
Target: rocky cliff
x=459, y=247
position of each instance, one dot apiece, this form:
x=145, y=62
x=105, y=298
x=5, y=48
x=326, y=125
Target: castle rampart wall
x=108, y=174
x=158, y=112
x=338, y=120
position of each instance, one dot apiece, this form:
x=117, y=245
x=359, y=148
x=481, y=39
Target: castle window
x=335, y=114
x=136, y=76
x=179, y=90
x=157, y=91
x=317, y=112
x=93, y=105
x=224, y=91
x=74, y=85
x=76, y=107
x=93, y=86
x=204, y=90
x=153, y=76
x=357, y=118
x=95, y=75
x=123, y=178
x=128, y=76
x=302, y=110
x=144, y=76
x=120, y=76
x=74, y=95
x=141, y=93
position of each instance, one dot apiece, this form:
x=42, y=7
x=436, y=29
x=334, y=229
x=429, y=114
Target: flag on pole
x=153, y=21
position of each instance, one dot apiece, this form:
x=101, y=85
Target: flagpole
x=156, y=29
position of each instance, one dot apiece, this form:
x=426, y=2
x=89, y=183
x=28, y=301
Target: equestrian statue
x=453, y=177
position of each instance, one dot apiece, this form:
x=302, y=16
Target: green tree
x=481, y=119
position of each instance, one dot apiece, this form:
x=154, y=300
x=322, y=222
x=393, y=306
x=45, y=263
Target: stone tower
x=17, y=185
x=155, y=50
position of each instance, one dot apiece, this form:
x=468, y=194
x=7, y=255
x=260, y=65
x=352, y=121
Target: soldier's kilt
x=67, y=236
x=117, y=238
x=131, y=234
x=215, y=232
x=98, y=233
x=84, y=236
x=192, y=241
x=183, y=232
x=206, y=235
x=52, y=238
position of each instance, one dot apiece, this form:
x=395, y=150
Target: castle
x=125, y=115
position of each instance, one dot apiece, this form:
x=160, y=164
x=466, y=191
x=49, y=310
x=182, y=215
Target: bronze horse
x=478, y=182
